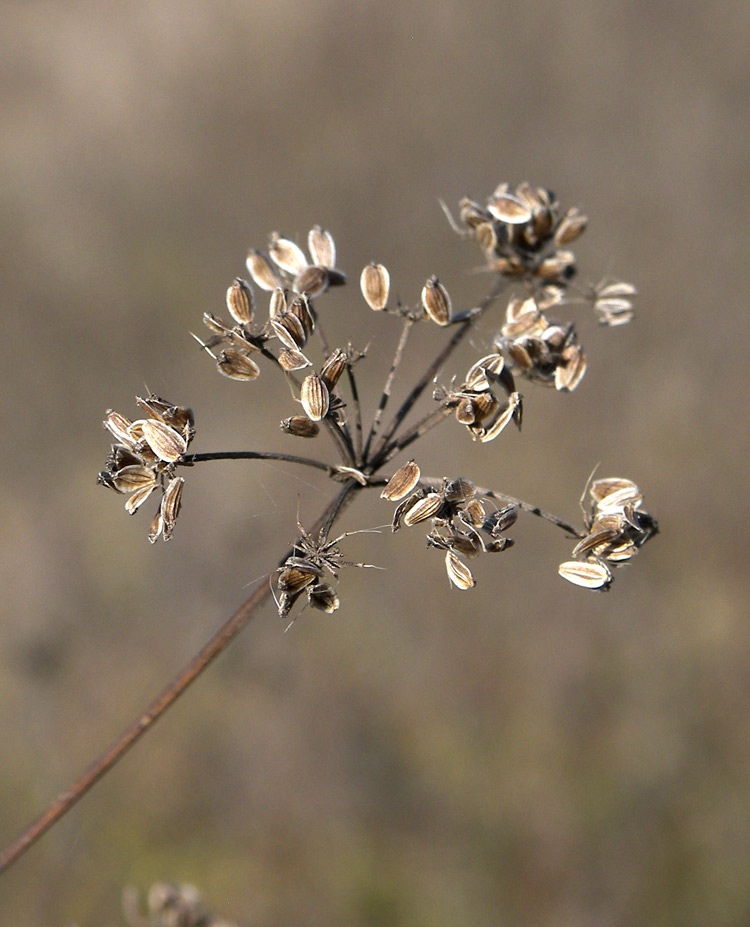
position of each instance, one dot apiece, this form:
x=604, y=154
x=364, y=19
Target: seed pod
x=436, y=302
x=508, y=411
x=614, y=312
x=560, y=264
x=471, y=213
x=301, y=426
x=299, y=307
x=333, y=368
x=423, y=509
x=138, y=497
x=287, y=255
x=293, y=360
x=508, y=209
x=312, y=280
x=522, y=317
x=165, y=442
x=458, y=573
x=402, y=482
x=477, y=378
x=459, y=490
x=501, y=520
x=237, y=365
x=375, y=283
x=466, y=412
x=294, y=578
x=119, y=426
x=133, y=477
x=289, y=330
x=613, y=494
x=323, y=597
x=240, y=301
x=475, y=512
x=277, y=306
x=571, y=226
x=262, y=271
x=486, y=236
x=570, y=373
x=321, y=246
x=590, y=575
x=170, y=506
x=314, y=397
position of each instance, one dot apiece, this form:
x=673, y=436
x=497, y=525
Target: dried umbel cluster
x=525, y=237
x=168, y=905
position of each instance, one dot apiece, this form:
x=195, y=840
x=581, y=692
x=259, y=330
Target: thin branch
x=190, y=459
x=408, y=325
x=357, y=416
x=168, y=696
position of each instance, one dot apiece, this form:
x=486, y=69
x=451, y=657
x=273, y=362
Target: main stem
x=168, y=696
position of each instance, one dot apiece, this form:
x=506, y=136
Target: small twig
x=408, y=325
x=189, y=459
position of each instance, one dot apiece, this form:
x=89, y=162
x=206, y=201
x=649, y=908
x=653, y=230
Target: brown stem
x=169, y=695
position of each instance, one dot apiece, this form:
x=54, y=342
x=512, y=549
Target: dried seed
x=314, y=397
x=301, y=426
x=323, y=597
x=241, y=301
x=475, y=512
x=165, y=442
x=436, y=301
x=501, y=520
x=293, y=360
x=294, y=578
x=237, y=365
x=262, y=271
x=423, y=509
x=277, y=306
x=170, y=505
x=471, y=213
x=300, y=309
x=458, y=573
x=139, y=497
x=289, y=330
x=509, y=209
x=571, y=226
x=321, y=246
x=287, y=255
x=119, y=426
x=617, y=288
x=570, y=372
x=486, y=236
x=560, y=264
x=590, y=575
x=512, y=409
x=466, y=411
x=459, y=490
x=313, y=281
x=477, y=377
x=402, y=482
x=333, y=368
x=375, y=282
x=136, y=476
x=156, y=527
x=613, y=312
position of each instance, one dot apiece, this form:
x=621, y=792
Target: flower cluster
x=616, y=527
x=144, y=457
x=460, y=523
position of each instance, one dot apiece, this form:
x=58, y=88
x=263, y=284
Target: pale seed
x=165, y=442
x=423, y=509
x=262, y=271
x=436, y=301
x=237, y=365
x=240, y=301
x=321, y=246
x=301, y=426
x=314, y=397
x=402, y=482
x=458, y=573
x=289, y=256
x=588, y=575
x=375, y=283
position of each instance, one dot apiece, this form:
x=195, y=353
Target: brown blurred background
x=526, y=753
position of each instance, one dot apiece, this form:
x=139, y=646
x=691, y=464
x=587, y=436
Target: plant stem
x=168, y=696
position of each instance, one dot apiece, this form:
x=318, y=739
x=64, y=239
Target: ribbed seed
x=402, y=482
x=236, y=365
x=424, y=509
x=458, y=573
x=164, y=441
x=314, y=397
x=241, y=302
x=262, y=271
x=436, y=301
x=375, y=283
x=588, y=575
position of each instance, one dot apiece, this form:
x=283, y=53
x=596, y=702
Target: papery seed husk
x=436, y=301
x=323, y=597
x=289, y=330
x=523, y=317
x=402, y=482
x=598, y=537
x=293, y=579
x=119, y=426
x=241, y=301
x=289, y=256
x=486, y=236
x=137, y=499
x=277, y=306
x=501, y=520
x=466, y=412
x=333, y=368
x=475, y=511
x=314, y=397
x=570, y=227
x=321, y=246
x=237, y=365
x=300, y=426
x=459, y=490
x=375, y=284
x=471, y=213
x=165, y=442
x=476, y=378
x=508, y=410
x=170, y=505
x=614, y=289
x=586, y=574
x=293, y=360
x=458, y=573
x=262, y=271
x=133, y=477
x=509, y=209
x=300, y=308
x=484, y=405
x=463, y=544
x=498, y=545
x=423, y=509
x=313, y=281
x=157, y=525
x=605, y=486
x=561, y=263
x=613, y=315
x=177, y=417
x=570, y=373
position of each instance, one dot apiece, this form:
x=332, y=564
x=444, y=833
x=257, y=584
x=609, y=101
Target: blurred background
x=524, y=753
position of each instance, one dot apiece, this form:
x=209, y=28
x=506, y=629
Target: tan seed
x=458, y=573
x=301, y=426
x=375, y=283
x=314, y=397
x=262, y=271
x=237, y=365
x=402, y=482
x=588, y=575
x=321, y=246
x=164, y=441
x=424, y=509
x=241, y=302
x=436, y=301
x=287, y=255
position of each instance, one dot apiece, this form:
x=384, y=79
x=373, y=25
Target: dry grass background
x=523, y=754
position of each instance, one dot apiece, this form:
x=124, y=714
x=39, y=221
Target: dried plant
x=525, y=238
